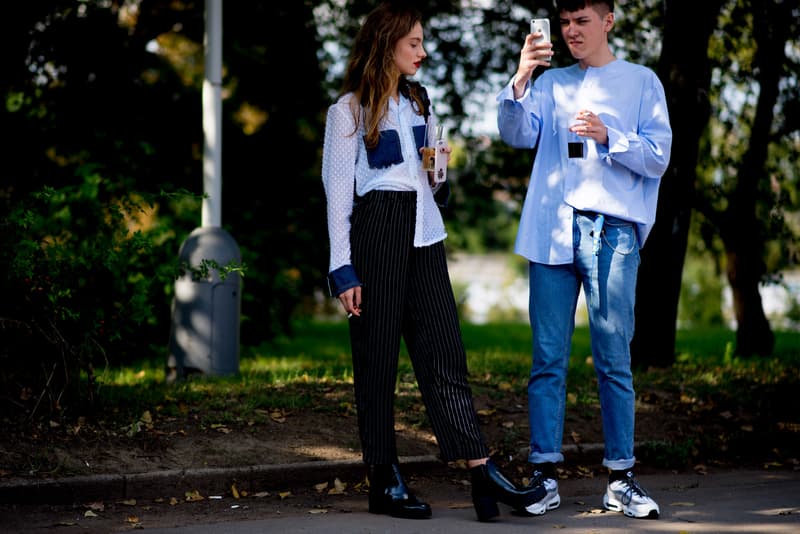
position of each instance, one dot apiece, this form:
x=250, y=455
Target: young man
x=603, y=140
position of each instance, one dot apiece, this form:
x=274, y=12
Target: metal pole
x=206, y=312
x=212, y=116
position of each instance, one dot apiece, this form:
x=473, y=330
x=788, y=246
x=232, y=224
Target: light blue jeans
x=609, y=284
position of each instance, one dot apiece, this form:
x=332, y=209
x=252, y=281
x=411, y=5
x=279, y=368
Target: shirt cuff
x=342, y=279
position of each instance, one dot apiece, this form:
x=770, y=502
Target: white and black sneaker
x=551, y=500
x=627, y=496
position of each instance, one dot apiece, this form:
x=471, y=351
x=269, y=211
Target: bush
x=84, y=281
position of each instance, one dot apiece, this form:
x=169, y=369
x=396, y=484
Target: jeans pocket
x=620, y=237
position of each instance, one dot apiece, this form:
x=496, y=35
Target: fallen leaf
x=321, y=486
x=193, y=496
x=89, y=513
x=700, y=469
x=278, y=416
x=338, y=487
x=318, y=511
x=173, y=501
x=132, y=519
x=261, y=494
x=585, y=472
x=128, y=502
x=285, y=494
x=458, y=464
x=682, y=503
x=508, y=424
x=234, y=491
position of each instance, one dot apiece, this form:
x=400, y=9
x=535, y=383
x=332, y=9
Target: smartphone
x=541, y=26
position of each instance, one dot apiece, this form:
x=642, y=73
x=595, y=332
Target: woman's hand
x=351, y=301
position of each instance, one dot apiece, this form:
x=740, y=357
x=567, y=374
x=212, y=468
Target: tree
x=746, y=204
x=103, y=98
x=686, y=74
x=736, y=199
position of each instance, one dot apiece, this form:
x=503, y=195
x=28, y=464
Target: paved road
x=753, y=502
x=726, y=501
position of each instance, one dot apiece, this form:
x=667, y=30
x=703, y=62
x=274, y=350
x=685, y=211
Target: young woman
x=388, y=265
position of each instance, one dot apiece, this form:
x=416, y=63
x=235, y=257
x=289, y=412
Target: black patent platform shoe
x=489, y=486
x=389, y=494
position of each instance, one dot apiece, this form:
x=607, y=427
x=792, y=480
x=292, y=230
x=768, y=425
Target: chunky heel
x=483, y=496
x=485, y=507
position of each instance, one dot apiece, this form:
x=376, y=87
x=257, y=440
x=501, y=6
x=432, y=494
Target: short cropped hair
x=575, y=5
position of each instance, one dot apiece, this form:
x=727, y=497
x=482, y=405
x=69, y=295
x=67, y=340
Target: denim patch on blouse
x=387, y=152
x=419, y=137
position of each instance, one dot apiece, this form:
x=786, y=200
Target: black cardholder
x=575, y=150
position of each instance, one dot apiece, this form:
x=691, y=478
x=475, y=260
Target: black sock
x=548, y=469
x=619, y=475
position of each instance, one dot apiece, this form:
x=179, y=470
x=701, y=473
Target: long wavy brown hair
x=371, y=74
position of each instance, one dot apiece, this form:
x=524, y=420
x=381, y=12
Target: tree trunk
x=743, y=232
x=753, y=335
x=684, y=68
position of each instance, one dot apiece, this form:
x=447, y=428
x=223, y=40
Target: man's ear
x=608, y=23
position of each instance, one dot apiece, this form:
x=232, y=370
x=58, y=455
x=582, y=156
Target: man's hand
x=590, y=125
x=532, y=55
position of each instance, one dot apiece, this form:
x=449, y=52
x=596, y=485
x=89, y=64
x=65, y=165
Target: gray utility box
x=206, y=312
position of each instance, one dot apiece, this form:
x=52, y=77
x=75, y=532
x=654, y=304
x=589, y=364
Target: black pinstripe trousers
x=406, y=292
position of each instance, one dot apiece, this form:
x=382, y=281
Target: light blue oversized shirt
x=620, y=179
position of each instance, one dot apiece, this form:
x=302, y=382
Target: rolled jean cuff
x=545, y=457
x=619, y=465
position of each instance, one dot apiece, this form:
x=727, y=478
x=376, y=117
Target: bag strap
x=407, y=87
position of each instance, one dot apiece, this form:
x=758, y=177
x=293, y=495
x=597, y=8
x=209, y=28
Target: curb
x=213, y=480
x=207, y=481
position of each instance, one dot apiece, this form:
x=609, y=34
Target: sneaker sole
x=540, y=508
x=616, y=506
